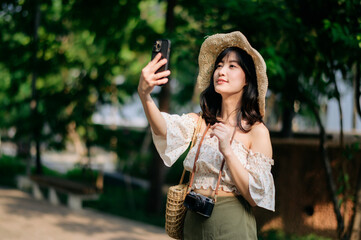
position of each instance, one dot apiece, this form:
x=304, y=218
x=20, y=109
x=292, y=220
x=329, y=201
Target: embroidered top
x=179, y=135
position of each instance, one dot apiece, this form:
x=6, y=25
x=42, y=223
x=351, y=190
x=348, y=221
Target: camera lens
x=199, y=202
x=158, y=46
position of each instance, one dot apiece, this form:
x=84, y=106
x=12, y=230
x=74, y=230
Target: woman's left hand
x=224, y=135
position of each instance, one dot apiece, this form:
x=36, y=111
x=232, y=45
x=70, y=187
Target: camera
x=198, y=203
x=157, y=46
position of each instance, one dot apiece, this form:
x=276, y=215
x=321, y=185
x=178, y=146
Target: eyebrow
x=232, y=61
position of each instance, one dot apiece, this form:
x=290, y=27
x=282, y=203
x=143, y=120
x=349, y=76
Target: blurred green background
x=61, y=61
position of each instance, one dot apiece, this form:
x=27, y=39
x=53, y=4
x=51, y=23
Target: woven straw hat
x=214, y=45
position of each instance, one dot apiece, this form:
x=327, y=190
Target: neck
x=230, y=105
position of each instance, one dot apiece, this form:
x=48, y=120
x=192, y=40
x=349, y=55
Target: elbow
x=250, y=199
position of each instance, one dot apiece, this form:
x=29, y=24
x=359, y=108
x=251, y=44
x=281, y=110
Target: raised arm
x=148, y=80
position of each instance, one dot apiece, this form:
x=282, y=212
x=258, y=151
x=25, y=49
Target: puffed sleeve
x=179, y=134
x=261, y=184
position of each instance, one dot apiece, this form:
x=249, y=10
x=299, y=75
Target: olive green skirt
x=231, y=218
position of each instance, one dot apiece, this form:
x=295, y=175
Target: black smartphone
x=162, y=46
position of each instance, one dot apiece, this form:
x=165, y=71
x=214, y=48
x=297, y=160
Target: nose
x=222, y=71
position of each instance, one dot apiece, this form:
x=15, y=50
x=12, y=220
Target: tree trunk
x=357, y=79
x=329, y=175
x=346, y=233
x=34, y=98
x=356, y=221
x=338, y=98
x=159, y=170
x=287, y=118
x=291, y=90
x=330, y=180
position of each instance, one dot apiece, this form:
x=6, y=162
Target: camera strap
x=220, y=171
x=196, y=158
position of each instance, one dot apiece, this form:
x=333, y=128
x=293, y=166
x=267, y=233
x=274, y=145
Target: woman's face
x=229, y=78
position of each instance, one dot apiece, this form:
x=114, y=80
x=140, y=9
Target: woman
x=232, y=78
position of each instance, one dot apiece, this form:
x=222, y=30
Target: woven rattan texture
x=175, y=211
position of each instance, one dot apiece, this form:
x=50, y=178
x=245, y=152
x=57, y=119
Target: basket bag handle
x=194, y=137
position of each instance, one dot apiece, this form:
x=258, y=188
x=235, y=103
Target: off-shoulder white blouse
x=179, y=135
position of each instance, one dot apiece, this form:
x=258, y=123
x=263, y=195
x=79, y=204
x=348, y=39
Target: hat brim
x=214, y=45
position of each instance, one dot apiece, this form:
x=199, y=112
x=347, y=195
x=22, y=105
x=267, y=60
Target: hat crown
x=214, y=45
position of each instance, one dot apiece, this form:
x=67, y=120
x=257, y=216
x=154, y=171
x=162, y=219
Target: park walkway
x=24, y=218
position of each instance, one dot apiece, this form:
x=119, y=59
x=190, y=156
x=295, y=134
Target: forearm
x=240, y=176
x=153, y=115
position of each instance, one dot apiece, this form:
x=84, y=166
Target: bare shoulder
x=195, y=116
x=260, y=139
x=259, y=130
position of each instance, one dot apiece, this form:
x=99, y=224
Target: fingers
x=157, y=62
x=155, y=59
x=152, y=78
x=161, y=81
x=219, y=126
x=161, y=78
x=158, y=65
x=162, y=74
x=220, y=130
x=149, y=78
x=217, y=131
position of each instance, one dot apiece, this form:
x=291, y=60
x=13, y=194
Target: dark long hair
x=211, y=101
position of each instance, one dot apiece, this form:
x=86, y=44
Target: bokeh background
x=69, y=109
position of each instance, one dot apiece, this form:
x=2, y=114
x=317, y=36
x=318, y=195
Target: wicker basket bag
x=175, y=210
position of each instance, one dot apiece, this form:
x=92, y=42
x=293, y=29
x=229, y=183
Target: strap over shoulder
x=197, y=129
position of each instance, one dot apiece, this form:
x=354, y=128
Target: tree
x=60, y=65
x=332, y=32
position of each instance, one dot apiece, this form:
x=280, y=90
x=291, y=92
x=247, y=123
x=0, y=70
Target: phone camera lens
x=158, y=46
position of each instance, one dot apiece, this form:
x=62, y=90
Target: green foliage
x=10, y=167
x=125, y=202
x=79, y=53
x=72, y=58
x=82, y=51
x=82, y=174
x=138, y=167
x=351, y=150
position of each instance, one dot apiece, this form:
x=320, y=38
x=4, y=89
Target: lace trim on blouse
x=179, y=133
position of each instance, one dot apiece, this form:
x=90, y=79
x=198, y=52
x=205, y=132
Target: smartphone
x=162, y=46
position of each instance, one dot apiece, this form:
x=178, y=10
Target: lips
x=221, y=81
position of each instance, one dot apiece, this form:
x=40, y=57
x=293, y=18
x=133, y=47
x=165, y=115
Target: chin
x=226, y=92
x=222, y=89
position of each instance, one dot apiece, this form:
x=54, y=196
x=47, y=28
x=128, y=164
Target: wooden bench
x=76, y=192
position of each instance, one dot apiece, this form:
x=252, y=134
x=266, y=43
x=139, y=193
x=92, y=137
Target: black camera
x=198, y=203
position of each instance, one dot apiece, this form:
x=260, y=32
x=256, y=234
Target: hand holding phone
x=156, y=72
x=162, y=46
